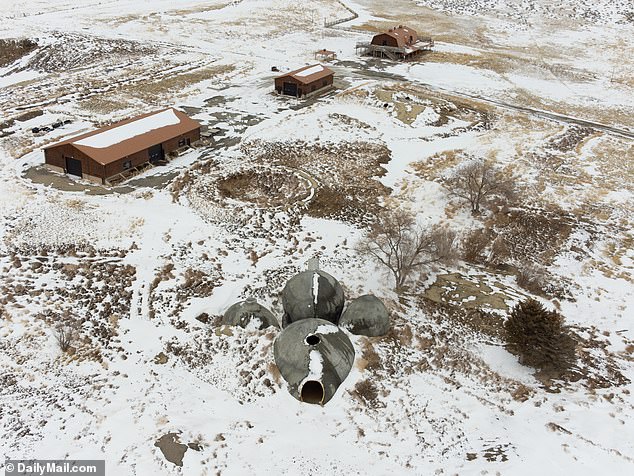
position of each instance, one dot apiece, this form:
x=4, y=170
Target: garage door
x=73, y=167
x=156, y=153
x=290, y=89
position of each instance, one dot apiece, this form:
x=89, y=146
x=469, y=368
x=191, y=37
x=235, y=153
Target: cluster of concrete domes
x=313, y=354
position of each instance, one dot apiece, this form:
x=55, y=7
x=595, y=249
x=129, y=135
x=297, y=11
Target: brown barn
x=117, y=149
x=401, y=42
x=304, y=81
x=400, y=37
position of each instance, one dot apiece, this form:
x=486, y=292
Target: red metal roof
x=402, y=34
x=115, y=141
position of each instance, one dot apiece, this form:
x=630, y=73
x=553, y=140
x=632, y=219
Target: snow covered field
x=143, y=270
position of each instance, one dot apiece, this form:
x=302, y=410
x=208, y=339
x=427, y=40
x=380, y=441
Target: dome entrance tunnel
x=312, y=392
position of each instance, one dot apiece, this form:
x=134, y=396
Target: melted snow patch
x=128, y=131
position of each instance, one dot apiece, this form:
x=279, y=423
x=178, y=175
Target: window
x=127, y=165
x=181, y=142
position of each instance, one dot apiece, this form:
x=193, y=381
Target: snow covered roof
x=130, y=130
x=312, y=70
x=125, y=138
x=310, y=73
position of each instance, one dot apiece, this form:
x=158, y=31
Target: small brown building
x=116, y=149
x=325, y=55
x=304, y=81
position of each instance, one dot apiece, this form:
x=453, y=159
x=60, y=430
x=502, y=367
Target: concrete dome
x=314, y=356
x=312, y=294
x=249, y=311
x=366, y=315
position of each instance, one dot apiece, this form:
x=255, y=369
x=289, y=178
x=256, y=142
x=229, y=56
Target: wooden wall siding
x=389, y=41
x=56, y=156
x=302, y=88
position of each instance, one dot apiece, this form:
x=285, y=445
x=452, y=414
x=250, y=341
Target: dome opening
x=313, y=392
x=313, y=339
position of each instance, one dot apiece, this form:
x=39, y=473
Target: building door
x=156, y=153
x=73, y=167
x=290, y=89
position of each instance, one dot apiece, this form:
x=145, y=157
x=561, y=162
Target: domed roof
x=312, y=294
x=249, y=312
x=314, y=356
x=366, y=315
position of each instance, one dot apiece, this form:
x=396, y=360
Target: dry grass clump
x=366, y=392
x=104, y=105
x=13, y=49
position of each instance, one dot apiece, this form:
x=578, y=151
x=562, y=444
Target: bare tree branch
x=400, y=246
x=477, y=180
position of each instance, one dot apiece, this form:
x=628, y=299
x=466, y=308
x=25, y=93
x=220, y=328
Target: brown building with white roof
x=110, y=151
x=305, y=81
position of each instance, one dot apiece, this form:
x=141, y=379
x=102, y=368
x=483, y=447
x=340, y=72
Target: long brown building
x=304, y=81
x=109, y=151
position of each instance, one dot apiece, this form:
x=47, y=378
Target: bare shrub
x=538, y=336
x=64, y=336
x=532, y=278
x=500, y=252
x=400, y=245
x=477, y=180
x=367, y=392
x=371, y=357
x=474, y=245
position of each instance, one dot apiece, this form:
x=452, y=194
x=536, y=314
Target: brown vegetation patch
x=265, y=187
x=533, y=235
x=85, y=298
x=570, y=139
x=345, y=173
x=71, y=50
x=175, y=83
x=12, y=50
x=367, y=393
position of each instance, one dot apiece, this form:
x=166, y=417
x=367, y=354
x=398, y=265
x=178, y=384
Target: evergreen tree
x=538, y=336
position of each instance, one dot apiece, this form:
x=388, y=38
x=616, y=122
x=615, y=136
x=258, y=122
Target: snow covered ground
x=142, y=271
